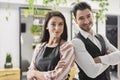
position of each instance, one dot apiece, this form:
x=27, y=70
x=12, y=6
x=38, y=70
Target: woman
x=54, y=56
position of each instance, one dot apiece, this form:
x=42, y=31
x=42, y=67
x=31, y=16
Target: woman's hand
x=31, y=75
x=35, y=75
x=60, y=64
x=108, y=51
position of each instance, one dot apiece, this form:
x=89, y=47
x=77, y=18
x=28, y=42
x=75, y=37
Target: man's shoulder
x=76, y=41
x=100, y=35
x=67, y=43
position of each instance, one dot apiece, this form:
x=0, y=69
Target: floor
x=112, y=74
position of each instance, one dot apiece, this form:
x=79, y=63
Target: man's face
x=84, y=18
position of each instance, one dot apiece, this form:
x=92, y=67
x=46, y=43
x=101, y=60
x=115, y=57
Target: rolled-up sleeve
x=37, y=48
x=85, y=60
x=68, y=56
x=114, y=57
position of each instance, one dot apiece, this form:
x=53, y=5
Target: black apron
x=49, y=62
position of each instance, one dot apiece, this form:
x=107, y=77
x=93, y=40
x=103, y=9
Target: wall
x=27, y=39
x=119, y=45
x=9, y=30
x=113, y=9
x=9, y=34
x=37, y=2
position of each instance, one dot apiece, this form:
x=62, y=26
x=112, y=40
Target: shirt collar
x=86, y=34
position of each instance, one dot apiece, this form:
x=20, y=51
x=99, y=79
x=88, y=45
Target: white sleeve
x=114, y=57
x=85, y=60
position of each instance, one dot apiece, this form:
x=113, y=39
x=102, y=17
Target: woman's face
x=55, y=26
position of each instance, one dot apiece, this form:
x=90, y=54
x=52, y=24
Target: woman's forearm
x=39, y=75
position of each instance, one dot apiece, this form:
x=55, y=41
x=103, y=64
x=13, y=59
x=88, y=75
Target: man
x=92, y=49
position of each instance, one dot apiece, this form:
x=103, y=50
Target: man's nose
x=86, y=21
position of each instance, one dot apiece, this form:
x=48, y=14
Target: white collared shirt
x=85, y=60
x=91, y=37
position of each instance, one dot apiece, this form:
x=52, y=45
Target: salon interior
x=17, y=42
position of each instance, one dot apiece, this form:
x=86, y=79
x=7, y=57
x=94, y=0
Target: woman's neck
x=53, y=42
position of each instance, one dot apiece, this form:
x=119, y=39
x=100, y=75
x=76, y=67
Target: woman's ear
x=47, y=27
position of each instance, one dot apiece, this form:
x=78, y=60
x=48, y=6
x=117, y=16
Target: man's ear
x=75, y=20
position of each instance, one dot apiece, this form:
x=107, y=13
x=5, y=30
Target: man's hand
x=97, y=60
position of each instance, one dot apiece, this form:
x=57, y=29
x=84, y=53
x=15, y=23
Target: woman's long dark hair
x=46, y=34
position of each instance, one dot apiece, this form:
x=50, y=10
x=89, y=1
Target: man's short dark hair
x=81, y=6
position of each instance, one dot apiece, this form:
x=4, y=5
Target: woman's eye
x=61, y=24
x=53, y=24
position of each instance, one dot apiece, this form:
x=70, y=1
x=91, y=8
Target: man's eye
x=88, y=16
x=81, y=18
x=61, y=24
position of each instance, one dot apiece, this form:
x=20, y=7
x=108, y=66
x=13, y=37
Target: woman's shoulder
x=40, y=45
x=67, y=48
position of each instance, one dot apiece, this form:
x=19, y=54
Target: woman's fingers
x=108, y=51
x=30, y=75
x=60, y=64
